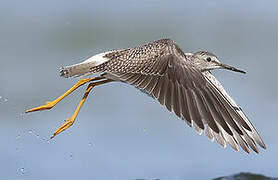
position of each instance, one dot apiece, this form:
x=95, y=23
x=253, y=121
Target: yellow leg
x=50, y=104
x=71, y=120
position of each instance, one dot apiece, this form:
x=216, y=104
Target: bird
x=182, y=82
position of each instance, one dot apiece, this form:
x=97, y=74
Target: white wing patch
x=97, y=59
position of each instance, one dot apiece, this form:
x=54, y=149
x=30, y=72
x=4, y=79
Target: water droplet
x=17, y=137
x=22, y=170
x=2, y=99
x=30, y=132
x=145, y=131
x=71, y=155
x=90, y=144
x=37, y=135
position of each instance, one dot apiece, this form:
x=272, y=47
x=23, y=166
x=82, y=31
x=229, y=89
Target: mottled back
x=140, y=59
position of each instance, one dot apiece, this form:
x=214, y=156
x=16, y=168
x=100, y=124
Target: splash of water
x=22, y=170
x=2, y=99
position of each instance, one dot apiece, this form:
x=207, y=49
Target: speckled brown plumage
x=182, y=82
x=139, y=59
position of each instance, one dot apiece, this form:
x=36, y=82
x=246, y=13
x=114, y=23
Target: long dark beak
x=225, y=66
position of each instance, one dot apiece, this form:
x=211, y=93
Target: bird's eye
x=208, y=59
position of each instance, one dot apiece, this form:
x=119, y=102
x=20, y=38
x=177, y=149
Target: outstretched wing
x=253, y=133
x=170, y=78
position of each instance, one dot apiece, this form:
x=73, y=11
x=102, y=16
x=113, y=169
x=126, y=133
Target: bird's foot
x=69, y=122
x=47, y=105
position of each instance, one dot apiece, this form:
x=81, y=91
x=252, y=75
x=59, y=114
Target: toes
x=65, y=126
x=48, y=105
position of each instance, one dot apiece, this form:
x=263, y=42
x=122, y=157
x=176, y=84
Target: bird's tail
x=95, y=64
x=77, y=70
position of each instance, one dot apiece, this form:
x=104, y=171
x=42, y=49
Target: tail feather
x=95, y=64
x=77, y=70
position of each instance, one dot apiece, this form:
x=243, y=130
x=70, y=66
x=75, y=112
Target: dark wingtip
x=262, y=144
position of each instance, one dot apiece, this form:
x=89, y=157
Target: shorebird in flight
x=180, y=81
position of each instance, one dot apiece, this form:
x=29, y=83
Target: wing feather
x=192, y=95
x=150, y=87
x=184, y=108
x=145, y=82
x=176, y=99
x=169, y=94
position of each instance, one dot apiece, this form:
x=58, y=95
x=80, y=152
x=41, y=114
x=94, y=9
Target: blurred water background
x=121, y=133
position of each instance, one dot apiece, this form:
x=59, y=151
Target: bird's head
x=207, y=61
